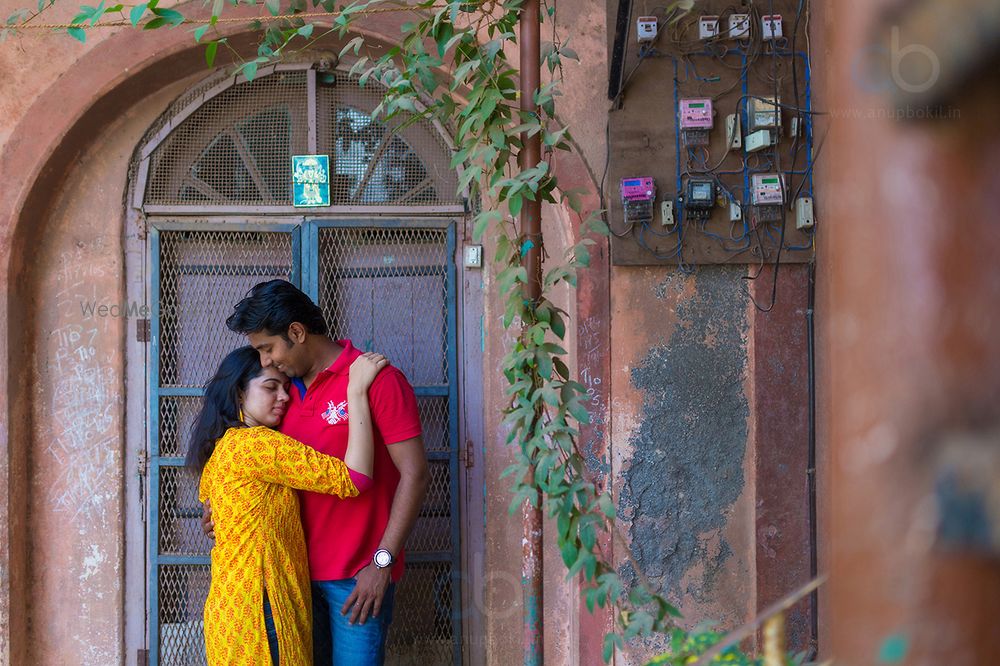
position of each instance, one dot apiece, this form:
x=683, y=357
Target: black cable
x=811, y=468
x=619, y=51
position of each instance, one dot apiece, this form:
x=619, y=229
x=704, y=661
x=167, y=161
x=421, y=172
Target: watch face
x=383, y=558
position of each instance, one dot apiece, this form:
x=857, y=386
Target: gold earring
x=242, y=420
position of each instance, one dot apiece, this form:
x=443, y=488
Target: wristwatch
x=383, y=559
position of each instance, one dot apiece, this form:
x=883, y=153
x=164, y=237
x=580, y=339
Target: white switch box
x=804, y=213
x=735, y=211
x=667, y=213
x=734, y=133
x=646, y=28
x=759, y=140
x=771, y=27
x=739, y=26
x=793, y=130
x=473, y=256
x=708, y=27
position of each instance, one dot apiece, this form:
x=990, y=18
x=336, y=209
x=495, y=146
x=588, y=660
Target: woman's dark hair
x=220, y=407
x=272, y=307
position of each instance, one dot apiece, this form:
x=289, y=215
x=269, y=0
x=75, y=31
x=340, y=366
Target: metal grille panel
x=385, y=289
x=432, y=531
x=389, y=288
x=203, y=275
x=376, y=162
x=177, y=415
x=236, y=148
x=421, y=632
x=180, y=514
x=183, y=590
x=434, y=419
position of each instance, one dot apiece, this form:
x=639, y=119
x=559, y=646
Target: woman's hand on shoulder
x=363, y=371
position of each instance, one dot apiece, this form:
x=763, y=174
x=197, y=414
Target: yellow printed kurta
x=250, y=480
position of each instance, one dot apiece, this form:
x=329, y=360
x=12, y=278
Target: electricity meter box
x=767, y=191
x=764, y=113
x=696, y=120
x=699, y=198
x=638, y=195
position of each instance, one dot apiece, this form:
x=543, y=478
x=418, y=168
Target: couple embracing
x=304, y=577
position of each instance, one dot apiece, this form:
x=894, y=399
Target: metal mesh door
x=197, y=278
x=391, y=289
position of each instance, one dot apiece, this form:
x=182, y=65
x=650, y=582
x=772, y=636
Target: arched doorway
x=212, y=182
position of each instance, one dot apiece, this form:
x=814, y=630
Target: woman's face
x=266, y=399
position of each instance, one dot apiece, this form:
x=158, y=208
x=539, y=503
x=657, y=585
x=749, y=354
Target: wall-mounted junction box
x=646, y=28
x=739, y=26
x=708, y=27
x=759, y=140
x=734, y=133
x=771, y=27
x=804, y=213
x=473, y=256
x=667, y=213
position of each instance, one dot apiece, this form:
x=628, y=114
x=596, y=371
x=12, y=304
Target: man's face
x=279, y=352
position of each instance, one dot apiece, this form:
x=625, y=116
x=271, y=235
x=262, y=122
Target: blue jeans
x=272, y=631
x=337, y=642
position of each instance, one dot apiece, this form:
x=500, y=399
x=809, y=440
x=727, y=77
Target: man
x=355, y=545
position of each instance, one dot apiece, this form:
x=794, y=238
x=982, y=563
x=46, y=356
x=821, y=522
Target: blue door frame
x=304, y=272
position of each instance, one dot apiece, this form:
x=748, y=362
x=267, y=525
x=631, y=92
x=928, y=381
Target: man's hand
x=207, y=524
x=369, y=590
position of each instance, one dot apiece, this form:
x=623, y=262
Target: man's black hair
x=272, y=307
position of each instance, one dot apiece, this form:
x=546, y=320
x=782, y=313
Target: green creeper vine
x=452, y=66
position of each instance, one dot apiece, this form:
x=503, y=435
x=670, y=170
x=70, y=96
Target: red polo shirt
x=342, y=535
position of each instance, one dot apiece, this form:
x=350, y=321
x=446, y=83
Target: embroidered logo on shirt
x=335, y=413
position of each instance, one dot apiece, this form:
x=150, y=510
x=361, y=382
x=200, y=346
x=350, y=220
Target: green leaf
x=612, y=641
x=200, y=31
x=78, y=34
x=273, y=6
x=249, y=70
x=544, y=364
x=514, y=204
x=210, y=52
x=483, y=221
x=306, y=31
x=171, y=16
x=894, y=649
x=136, y=14
x=97, y=13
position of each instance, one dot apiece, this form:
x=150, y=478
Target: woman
x=259, y=603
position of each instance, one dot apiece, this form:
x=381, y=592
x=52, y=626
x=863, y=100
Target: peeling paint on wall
x=689, y=447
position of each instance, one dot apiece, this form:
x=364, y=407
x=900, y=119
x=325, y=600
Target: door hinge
x=142, y=330
x=469, y=453
x=142, y=657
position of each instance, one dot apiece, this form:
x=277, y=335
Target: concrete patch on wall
x=689, y=447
